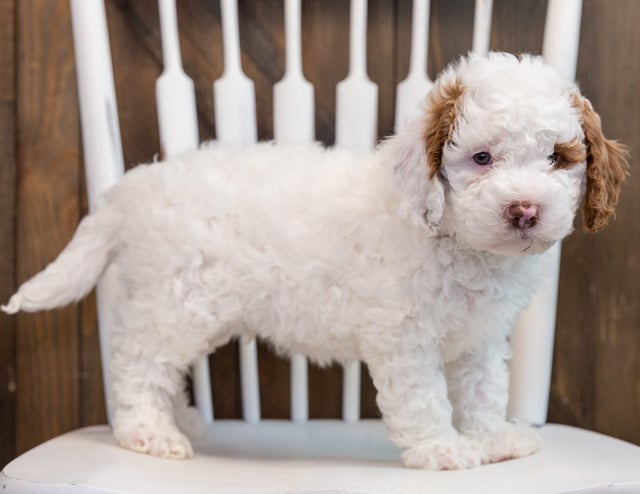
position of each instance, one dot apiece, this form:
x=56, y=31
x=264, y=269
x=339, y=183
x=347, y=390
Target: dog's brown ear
x=442, y=109
x=607, y=168
x=415, y=155
x=442, y=112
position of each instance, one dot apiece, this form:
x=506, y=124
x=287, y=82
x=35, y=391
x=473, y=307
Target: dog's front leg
x=478, y=384
x=412, y=396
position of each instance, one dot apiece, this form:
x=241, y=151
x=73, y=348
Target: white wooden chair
x=302, y=456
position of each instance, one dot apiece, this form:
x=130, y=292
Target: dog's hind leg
x=143, y=416
x=146, y=377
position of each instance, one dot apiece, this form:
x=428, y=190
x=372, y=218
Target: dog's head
x=503, y=155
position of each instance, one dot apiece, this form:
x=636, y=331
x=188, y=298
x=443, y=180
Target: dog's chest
x=478, y=296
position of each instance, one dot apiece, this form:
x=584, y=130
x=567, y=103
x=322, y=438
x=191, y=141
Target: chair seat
x=328, y=457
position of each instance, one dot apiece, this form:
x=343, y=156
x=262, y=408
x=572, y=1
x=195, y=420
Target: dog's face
x=509, y=151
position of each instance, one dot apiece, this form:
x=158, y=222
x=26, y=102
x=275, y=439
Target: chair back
x=356, y=124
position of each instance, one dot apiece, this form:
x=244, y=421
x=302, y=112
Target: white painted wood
x=532, y=350
x=299, y=382
x=249, y=380
x=356, y=129
x=351, y=379
x=202, y=392
x=482, y=26
x=178, y=125
x=293, y=104
x=357, y=95
x=234, y=93
x=315, y=457
x=175, y=94
x=562, y=35
x=235, y=116
x=532, y=340
x=293, y=123
x=102, y=146
x=412, y=91
x=104, y=163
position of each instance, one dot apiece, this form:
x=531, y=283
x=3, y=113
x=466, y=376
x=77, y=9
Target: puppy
x=416, y=258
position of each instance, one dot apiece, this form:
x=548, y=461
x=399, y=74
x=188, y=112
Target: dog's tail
x=76, y=270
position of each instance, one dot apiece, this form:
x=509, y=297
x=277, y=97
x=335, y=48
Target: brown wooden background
x=50, y=378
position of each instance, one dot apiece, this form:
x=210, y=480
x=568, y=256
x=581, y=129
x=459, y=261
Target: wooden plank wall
x=7, y=228
x=50, y=377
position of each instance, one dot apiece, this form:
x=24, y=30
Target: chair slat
x=562, y=35
x=482, y=26
x=532, y=350
x=532, y=340
x=293, y=123
x=356, y=129
x=412, y=90
x=299, y=389
x=178, y=126
x=357, y=96
x=234, y=93
x=202, y=391
x=351, y=391
x=249, y=380
x=235, y=117
x=104, y=163
x=293, y=103
x=175, y=93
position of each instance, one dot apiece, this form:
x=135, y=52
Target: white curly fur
x=330, y=254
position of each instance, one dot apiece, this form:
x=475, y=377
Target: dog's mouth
x=520, y=247
x=521, y=243
x=530, y=241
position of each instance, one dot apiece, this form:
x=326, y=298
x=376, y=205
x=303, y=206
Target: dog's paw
x=445, y=453
x=164, y=442
x=509, y=441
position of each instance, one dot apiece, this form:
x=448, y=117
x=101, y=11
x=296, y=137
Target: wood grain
x=7, y=228
x=57, y=372
x=597, y=363
x=47, y=343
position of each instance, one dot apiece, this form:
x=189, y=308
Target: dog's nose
x=522, y=215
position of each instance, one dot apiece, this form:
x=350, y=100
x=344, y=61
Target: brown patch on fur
x=442, y=112
x=570, y=153
x=607, y=168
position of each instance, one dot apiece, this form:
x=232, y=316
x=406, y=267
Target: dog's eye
x=482, y=158
x=553, y=158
